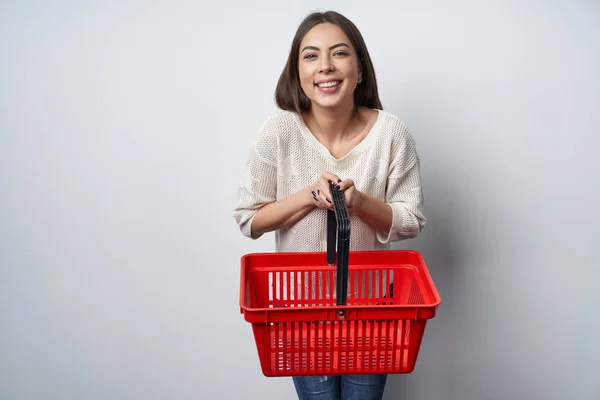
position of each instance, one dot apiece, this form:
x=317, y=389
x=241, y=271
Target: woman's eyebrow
x=331, y=48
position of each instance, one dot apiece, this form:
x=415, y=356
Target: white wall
x=123, y=130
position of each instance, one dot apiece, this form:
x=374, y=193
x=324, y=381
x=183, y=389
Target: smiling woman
x=332, y=129
x=328, y=77
x=345, y=47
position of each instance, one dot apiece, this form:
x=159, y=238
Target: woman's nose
x=326, y=65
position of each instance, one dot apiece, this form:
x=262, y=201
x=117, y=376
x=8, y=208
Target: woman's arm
x=400, y=215
x=404, y=194
x=281, y=214
x=376, y=213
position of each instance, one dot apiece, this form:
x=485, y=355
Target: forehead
x=324, y=35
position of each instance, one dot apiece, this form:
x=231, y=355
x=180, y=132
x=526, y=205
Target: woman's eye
x=340, y=53
x=309, y=56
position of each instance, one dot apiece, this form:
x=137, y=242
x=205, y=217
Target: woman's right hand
x=321, y=190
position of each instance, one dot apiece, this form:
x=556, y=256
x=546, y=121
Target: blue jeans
x=344, y=387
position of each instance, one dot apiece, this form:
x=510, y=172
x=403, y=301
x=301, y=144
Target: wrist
x=359, y=203
x=305, y=197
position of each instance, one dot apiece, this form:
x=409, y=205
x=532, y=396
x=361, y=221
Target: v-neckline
x=353, y=152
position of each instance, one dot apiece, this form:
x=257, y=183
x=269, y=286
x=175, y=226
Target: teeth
x=329, y=84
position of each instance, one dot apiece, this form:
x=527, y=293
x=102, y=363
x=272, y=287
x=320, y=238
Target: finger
x=344, y=185
x=329, y=185
x=319, y=199
x=325, y=191
x=331, y=177
x=349, y=197
x=325, y=199
x=314, y=196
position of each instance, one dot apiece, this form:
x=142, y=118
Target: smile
x=329, y=84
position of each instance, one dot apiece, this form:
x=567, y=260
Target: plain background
x=124, y=126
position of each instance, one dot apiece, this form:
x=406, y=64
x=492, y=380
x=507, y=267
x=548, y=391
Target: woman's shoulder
x=280, y=123
x=392, y=122
x=392, y=127
x=279, y=129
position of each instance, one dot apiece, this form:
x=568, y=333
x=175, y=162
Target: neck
x=333, y=124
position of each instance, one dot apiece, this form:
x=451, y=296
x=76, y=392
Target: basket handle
x=338, y=233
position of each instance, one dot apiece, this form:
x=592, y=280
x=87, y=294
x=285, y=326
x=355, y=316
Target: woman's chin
x=332, y=103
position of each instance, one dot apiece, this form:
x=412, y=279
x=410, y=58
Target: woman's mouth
x=328, y=86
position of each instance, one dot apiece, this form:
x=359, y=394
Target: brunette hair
x=289, y=95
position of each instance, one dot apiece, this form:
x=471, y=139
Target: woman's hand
x=321, y=192
x=354, y=197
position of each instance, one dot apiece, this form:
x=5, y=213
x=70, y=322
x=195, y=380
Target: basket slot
x=376, y=284
x=395, y=338
x=271, y=296
x=291, y=287
x=371, y=290
x=300, y=287
x=279, y=286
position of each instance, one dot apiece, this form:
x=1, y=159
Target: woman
x=332, y=129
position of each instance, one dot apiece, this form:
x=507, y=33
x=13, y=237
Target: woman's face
x=328, y=67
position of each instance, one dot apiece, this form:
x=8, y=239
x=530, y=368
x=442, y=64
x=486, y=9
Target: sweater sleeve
x=258, y=186
x=404, y=193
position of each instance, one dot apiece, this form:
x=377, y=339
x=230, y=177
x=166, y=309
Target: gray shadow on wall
x=434, y=376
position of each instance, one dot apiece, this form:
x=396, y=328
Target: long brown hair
x=289, y=95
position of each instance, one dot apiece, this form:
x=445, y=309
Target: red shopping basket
x=366, y=315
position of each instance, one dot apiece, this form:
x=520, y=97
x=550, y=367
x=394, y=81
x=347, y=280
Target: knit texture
x=286, y=157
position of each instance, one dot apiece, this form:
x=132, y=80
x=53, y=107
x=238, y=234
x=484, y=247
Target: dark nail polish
x=339, y=180
x=313, y=193
x=337, y=187
x=328, y=200
x=319, y=191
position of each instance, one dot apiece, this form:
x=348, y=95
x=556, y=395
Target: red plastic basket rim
x=346, y=307
x=425, y=274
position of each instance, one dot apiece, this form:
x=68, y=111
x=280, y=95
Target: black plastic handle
x=338, y=233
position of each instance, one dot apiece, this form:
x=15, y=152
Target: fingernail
x=339, y=180
x=319, y=191
x=328, y=200
x=337, y=187
x=313, y=193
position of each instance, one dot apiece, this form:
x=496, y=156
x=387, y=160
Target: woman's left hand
x=351, y=193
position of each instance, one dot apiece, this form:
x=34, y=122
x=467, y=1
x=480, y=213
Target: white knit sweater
x=286, y=158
